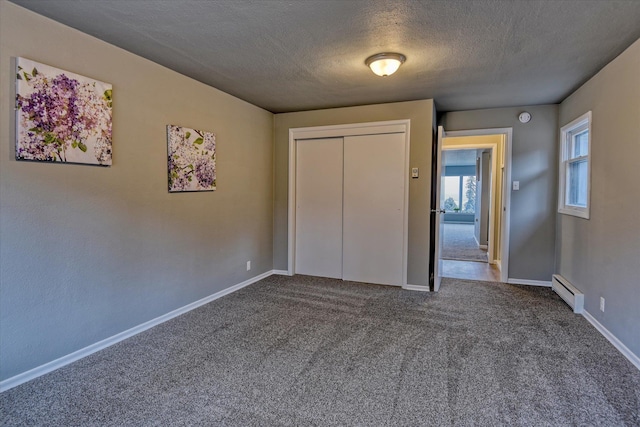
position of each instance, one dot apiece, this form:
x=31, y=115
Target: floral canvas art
x=61, y=116
x=192, y=159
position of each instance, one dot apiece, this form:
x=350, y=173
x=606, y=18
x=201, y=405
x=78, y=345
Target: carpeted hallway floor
x=459, y=244
x=303, y=351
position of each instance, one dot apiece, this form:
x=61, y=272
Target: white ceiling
x=293, y=55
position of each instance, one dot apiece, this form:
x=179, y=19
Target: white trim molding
x=281, y=272
x=633, y=358
x=505, y=164
x=419, y=288
x=107, y=342
x=351, y=129
x=529, y=282
x=567, y=132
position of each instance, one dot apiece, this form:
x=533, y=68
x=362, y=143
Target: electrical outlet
x=601, y=304
x=248, y=265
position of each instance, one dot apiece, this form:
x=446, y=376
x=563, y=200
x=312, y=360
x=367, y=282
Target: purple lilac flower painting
x=62, y=116
x=192, y=159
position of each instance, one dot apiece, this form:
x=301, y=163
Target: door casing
x=296, y=134
x=505, y=165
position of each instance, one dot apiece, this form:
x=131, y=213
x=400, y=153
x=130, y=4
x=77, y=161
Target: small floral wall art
x=192, y=159
x=61, y=116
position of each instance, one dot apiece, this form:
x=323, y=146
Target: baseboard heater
x=569, y=293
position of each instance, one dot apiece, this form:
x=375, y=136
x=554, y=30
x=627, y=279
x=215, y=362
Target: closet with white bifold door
x=351, y=201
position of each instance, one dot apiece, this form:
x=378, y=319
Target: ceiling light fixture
x=385, y=64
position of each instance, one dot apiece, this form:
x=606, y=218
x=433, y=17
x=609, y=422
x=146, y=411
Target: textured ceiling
x=298, y=55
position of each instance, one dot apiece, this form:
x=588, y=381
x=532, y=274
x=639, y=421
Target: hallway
x=463, y=258
x=460, y=244
x=470, y=270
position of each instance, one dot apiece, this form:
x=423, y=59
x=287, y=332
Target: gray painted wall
x=421, y=115
x=600, y=255
x=534, y=164
x=88, y=252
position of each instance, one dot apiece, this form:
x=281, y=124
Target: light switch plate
x=516, y=185
x=414, y=172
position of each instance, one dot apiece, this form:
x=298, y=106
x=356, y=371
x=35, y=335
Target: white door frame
x=438, y=230
x=494, y=178
x=505, y=163
x=297, y=134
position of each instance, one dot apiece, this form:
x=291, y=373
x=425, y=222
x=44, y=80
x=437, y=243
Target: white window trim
x=565, y=141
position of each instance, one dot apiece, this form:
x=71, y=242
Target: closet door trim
x=297, y=134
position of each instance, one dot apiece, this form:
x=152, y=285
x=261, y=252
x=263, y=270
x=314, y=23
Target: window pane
x=469, y=194
x=580, y=144
x=577, y=183
x=451, y=193
x=575, y=167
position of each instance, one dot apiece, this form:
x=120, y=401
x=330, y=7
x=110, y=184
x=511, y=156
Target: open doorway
x=469, y=192
x=466, y=202
x=472, y=213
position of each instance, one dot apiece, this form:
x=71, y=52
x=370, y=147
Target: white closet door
x=318, y=250
x=374, y=177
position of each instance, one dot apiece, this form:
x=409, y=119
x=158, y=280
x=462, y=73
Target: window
x=575, y=167
x=469, y=191
x=452, y=193
x=460, y=193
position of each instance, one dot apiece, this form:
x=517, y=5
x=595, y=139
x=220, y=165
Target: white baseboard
x=83, y=352
x=485, y=247
x=420, y=288
x=76, y=355
x=529, y=282
x=613, y=340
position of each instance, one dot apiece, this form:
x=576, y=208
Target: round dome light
x=385, y=64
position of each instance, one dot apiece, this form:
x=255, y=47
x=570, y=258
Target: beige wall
x=421, y=115
x=89, y=252
x=601, y=255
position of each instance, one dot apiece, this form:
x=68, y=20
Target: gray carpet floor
x=303, y=351
x=459, y=244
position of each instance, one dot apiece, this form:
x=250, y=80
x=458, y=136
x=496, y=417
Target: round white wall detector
x=524, y=117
